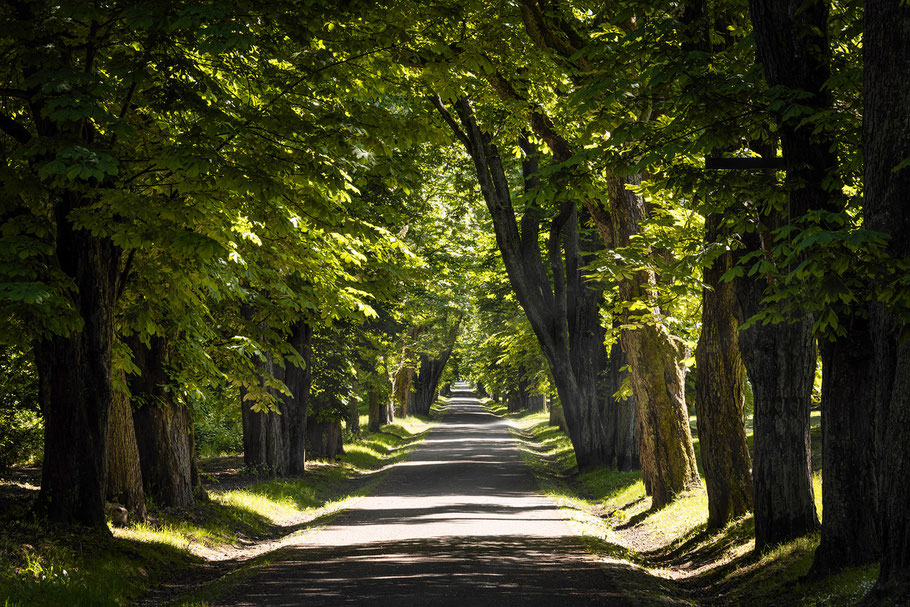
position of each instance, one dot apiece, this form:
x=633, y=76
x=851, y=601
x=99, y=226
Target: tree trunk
x=124, y=476
x=354, y=409
x=298, y=380
x=886, y=122
x=163, y=430
x=780, y=360
x=430, y=372
x=75, y=380
x=386, y=412
x=537, y=402
x=265, y=433
x=793, y=48
x=849, y=535
x=325, y=438
x=720, y=390
x=376, y=397
x=403, y=378
x=480, y=390
x=557, y=416
x=658, y=376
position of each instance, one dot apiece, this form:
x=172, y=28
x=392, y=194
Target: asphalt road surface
x=459, y=523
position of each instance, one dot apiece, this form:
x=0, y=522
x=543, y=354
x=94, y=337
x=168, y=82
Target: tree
x=720, y=393
x=886, y=122
x=564, y=316
x=433, y=361
x=124, y=474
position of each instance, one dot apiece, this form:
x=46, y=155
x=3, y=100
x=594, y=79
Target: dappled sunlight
x=461, y=517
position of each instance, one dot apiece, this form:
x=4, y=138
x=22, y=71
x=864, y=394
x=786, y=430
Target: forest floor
x=243, y=524
x=670, y=547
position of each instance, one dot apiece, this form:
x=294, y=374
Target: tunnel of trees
x=236, y=222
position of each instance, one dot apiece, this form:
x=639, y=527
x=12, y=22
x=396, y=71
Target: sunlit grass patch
x=48, y=565
x=687, y=512
x=275, y=501
x=40, y=565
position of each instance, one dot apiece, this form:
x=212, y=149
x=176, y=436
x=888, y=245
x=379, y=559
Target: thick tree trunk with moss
x=886, y=123
x=720, y=394
x=124, y=474
x=163, y=430
x=656, y=363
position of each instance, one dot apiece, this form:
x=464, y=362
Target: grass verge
x=243, y=521
x=666, y=556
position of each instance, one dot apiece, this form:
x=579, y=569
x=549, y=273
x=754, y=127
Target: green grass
x=641, y=548
x=47, y=565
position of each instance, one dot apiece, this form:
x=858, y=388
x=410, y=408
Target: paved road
x=459, y=523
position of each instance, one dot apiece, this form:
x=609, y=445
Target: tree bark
x=720, y=394
x=124, y=477
x=886, y=123
x=354, y=409
x=658, y=376
x=298, y=380
x=403, y=378
x=795, y=52
x=75, y=380
x=537, y=402
x=265, y=433
x=324, y=434
x=849, y=535
x=780, y=360
x=163, y=430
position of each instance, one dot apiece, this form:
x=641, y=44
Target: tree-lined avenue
x=458, y=523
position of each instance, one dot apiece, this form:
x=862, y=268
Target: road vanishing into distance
x=459, y=523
